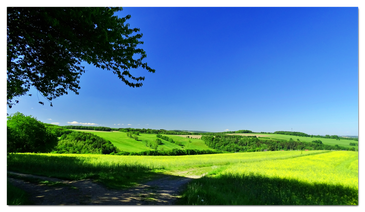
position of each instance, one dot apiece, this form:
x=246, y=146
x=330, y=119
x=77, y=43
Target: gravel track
x=162, y=191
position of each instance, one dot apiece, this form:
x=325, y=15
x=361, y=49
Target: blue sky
x=232, y=68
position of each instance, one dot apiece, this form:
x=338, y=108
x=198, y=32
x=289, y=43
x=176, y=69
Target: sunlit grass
x=322, y=179
x=280, y=177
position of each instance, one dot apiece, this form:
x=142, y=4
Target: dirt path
x=163, y=191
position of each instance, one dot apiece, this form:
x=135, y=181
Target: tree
x=27, y=134
x=45, y=48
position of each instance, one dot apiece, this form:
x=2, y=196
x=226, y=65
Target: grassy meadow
x=323, y=179
x=296, y=177
x=125, y=143
x=256, y=178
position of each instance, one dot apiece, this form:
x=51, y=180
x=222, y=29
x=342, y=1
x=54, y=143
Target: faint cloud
x=56, y=123
x=118, y=124
x=80, y=123
x=50, y=119
x=226, y=130
x=129, y=124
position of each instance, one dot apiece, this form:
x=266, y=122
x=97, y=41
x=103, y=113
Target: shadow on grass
x=163, y=190
x=112, y=175
x=260, y=190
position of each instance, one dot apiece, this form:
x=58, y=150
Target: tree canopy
x=27, y=134
x=45, y=48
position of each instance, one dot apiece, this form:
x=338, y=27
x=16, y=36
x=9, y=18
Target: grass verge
x=16, y=196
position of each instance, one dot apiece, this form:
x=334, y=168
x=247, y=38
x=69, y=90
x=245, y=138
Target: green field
x=127, y=144
x=263, y=178
x=293, y=177
x=322, y=179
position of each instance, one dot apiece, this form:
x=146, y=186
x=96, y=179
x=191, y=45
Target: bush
x=317, y=142
x=27, y=134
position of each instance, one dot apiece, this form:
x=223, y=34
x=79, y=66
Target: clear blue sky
x=217, y=69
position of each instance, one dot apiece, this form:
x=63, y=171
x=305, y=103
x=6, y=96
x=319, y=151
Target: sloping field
x=127, y=144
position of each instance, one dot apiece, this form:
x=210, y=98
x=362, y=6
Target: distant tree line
x=90, y=128
x=57, y=130
x=238, y=131
x=292, y=133
x=84, y=143
x=232, y=143
x=160, y=131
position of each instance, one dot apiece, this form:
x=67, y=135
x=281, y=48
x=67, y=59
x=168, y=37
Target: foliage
x=27, y=134
x=46, y=46
x=292, y=133
x=317, y=142
x=84, y=143
x=160, y=131
x=244, y=131
x=233, y=143
x=88, y=128
x=57, y=130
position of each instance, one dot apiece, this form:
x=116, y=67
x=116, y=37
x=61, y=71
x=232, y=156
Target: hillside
x=128, y=144
x=130, y=140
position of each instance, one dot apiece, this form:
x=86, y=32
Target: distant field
x=127, y=144
x=124, y=143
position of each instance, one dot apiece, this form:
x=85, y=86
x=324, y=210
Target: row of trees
x=292, y=133
x=89, y=128
x=239, y=131
x=313, y=136
x=160, y=131
x=170, y=152
x=133, y=135
x=57, y=130
x=231, y=143
x=84, y=143
x=153, y=144
x=166, y=138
